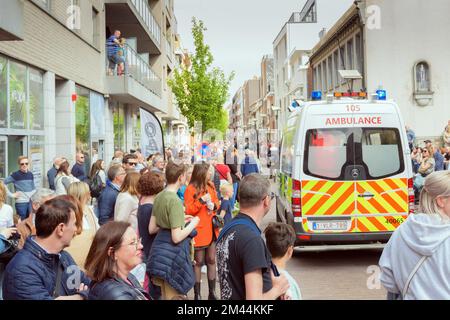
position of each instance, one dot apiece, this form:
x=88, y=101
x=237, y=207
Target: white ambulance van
x=345, y=170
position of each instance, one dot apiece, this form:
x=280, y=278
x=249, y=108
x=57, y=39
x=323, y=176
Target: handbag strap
x=411, y=275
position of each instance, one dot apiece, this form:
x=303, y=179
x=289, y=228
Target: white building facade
x=397, y=46
x=292, y=45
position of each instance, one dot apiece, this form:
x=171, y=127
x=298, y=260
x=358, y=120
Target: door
x=17, y=146
x=328, y=199
x=11, y=148
x=98, y=150
x=382, y=200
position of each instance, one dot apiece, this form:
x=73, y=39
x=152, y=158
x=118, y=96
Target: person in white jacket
x=128, y=200
x=415, y=262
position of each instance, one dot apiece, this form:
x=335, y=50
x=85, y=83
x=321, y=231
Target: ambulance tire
x=278, y=213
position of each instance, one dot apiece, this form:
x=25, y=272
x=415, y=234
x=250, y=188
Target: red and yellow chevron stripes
x=322, y=197
x=390, y=196
x=379, y=223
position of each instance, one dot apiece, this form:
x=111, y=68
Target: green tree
x=202, y=90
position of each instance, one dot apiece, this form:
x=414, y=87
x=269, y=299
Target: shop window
x=82, y=124
x=3, y=92
x=119, y=127
x=36, y=102
x=18, y=95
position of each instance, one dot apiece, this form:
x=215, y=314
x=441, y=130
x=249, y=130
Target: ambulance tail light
x=411, y=198
x=296, y=198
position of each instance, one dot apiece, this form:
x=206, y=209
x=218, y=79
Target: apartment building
x=57, y=95
x=292, y=45
x=236, y=112
x=251, y=91
x=267, y=114
x=396, y=46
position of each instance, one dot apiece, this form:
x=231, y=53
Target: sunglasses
x=132, y=164
x=271, y=195
x=24, y=164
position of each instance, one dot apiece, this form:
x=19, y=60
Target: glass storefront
x=119, y=126
x=3, y=92
x=136, y=121
x=18, y=90
x=21, y=117
x=36, y=100
x=82, y=124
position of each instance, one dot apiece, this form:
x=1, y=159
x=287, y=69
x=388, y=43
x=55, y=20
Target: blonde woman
x=427, y=164
x=6, y=211
x=80, y=245
x=128, y=200
x=414, y=264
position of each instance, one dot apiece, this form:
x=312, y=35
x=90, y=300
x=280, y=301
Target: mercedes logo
x=355, y=173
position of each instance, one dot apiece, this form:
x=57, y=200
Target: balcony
x=138, y=85
x=11, y=20
x=134, y=19
x=169, y=51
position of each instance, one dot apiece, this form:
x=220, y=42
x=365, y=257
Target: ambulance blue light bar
x=381, y=95
x=316, y=95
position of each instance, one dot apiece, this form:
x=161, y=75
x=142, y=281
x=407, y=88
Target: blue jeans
x=233, y=199
x=23, y=209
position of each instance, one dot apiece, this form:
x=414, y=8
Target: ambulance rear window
x=330, y=152
x=326, y=152
x=381, y=151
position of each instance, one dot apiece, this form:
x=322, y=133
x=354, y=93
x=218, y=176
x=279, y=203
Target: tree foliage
x=202, y=90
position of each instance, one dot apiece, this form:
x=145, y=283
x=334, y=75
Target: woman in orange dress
x=200, y=200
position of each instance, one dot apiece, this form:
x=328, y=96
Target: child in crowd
x=121, y=57
x=183, y=188
x=280, y=240
x=225, y=211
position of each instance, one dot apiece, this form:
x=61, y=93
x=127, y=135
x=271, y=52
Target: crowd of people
x=88, y=234
x=429, y=157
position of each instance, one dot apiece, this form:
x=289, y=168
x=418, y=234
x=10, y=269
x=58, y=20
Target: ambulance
x=345, y=171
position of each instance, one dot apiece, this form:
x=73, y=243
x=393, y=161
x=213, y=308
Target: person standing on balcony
x=121, y=57
x=112, y=48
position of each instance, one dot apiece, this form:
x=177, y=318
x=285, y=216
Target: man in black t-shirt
x=243, y=260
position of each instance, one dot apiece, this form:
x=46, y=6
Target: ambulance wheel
x=278, y=218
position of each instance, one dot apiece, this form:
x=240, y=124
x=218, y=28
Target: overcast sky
x=239, y=32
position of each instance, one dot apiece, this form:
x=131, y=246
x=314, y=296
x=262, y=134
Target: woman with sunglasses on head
x=23, y=181
x=128, y=200
x=115, y=251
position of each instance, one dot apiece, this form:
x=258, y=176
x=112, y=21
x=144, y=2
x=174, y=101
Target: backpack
x=96, y=186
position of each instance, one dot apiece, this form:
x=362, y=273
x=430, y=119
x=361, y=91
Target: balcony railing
x=169, y=50
x=144, y=11
x=138, y=69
